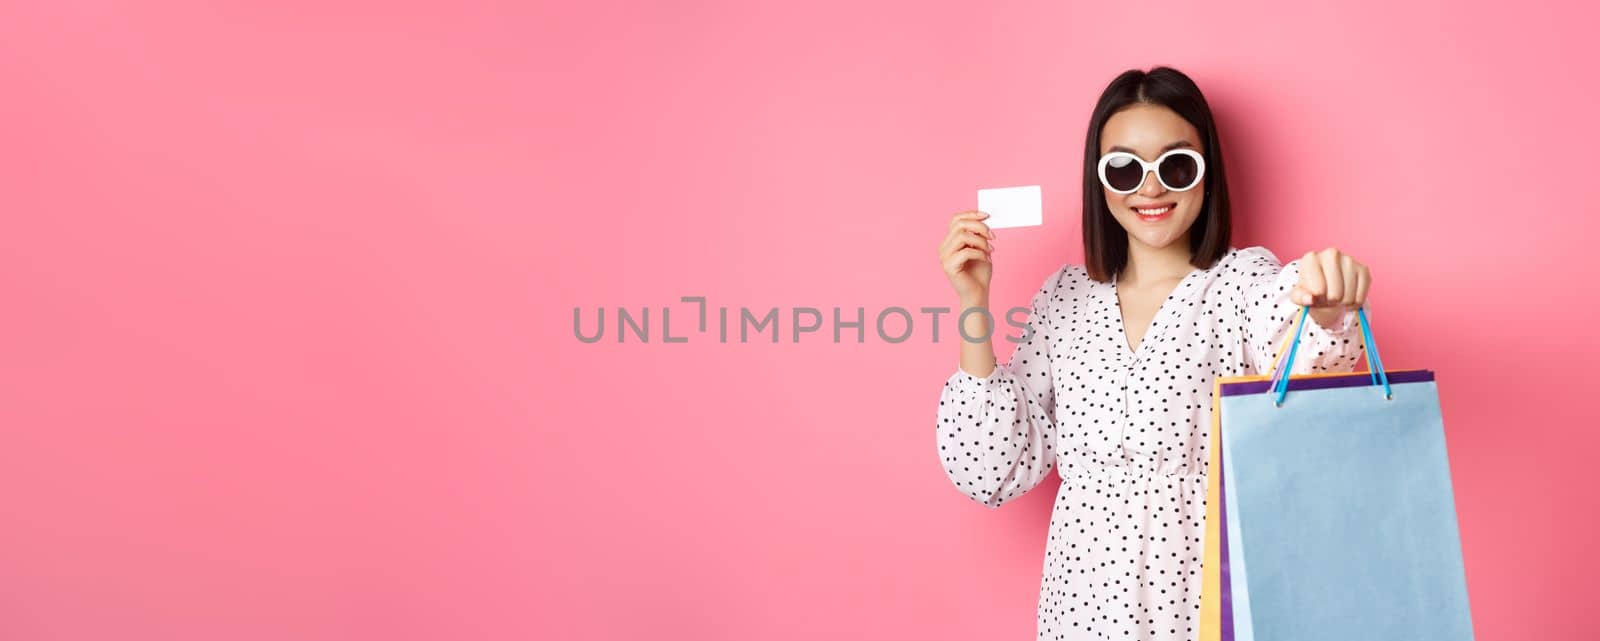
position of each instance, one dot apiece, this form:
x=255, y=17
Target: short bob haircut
x=1105, y=242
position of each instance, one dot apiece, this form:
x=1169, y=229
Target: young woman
x=1112, y=386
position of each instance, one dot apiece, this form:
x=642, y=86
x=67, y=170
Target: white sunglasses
x=1177, y=170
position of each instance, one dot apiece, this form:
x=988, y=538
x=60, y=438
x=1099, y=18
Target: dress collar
x=1187, y=290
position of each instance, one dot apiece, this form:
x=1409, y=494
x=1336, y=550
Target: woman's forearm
x=977, y=357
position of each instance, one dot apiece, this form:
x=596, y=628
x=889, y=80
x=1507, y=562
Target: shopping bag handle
x=1280, y=378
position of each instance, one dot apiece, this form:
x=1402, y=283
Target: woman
x=1112, y=384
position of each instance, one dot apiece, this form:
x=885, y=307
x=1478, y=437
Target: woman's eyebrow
x=1170, y=147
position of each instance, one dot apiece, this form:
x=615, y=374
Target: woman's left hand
x=1332, y=283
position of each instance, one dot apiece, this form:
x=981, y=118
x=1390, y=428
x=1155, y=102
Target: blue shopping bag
x=1335, y=513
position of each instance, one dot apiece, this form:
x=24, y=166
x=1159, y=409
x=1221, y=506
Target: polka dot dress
x=1126, y=431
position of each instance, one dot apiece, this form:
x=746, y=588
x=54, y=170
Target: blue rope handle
x=1378, y=372
x=1278, y=364
x=1280, y=378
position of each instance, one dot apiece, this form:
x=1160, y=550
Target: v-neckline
x=1155, y=319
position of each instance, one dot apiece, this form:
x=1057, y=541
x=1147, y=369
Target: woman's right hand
x=966, y=256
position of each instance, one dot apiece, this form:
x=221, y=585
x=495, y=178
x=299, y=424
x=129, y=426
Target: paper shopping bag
x=1329, y=510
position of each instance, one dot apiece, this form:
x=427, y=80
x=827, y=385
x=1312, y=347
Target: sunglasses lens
x=1179, y=171
x=1123, y=173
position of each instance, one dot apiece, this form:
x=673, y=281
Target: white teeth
x=1153, y=212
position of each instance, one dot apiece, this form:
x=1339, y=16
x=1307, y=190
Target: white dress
x=1126, y=431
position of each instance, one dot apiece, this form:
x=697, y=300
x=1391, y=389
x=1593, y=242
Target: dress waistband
x=1125, y=471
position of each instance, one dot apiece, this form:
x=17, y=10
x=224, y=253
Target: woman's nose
x=1151, y=187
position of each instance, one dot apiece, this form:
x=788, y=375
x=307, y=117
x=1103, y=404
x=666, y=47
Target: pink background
x=289, y=353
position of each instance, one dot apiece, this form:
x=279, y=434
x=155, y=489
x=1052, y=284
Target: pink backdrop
x=289, y=350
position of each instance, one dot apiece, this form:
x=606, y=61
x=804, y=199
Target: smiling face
x=1153, y=215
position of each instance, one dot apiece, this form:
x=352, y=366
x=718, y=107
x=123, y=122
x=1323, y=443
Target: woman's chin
x=1157, y=238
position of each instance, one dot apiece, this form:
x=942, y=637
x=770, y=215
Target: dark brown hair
x=1105, y=242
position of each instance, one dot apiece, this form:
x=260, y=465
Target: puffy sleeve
x=997, y=434
x=1270, y=312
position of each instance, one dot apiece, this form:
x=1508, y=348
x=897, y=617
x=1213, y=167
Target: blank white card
x=1011, y=206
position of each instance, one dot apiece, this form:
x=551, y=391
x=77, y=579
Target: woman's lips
x=1153, y=213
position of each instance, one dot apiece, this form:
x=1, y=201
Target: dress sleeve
x=997, y=434
x=1270, y=312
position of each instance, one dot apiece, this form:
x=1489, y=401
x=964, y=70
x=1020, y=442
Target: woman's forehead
x=1147, y=130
